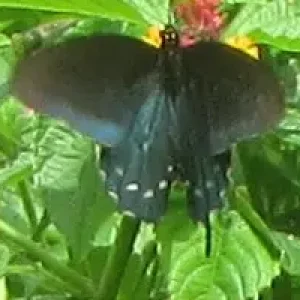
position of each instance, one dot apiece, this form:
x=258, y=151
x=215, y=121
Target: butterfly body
x=155, y=109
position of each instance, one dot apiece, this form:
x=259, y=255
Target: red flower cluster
x=202, y=20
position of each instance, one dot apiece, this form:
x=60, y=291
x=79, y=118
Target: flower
x=202, y=20
x=245, y=44
x=153, y=36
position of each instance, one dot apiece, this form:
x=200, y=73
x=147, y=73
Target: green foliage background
x=60, y=237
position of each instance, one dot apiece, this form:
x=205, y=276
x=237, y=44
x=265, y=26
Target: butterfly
x=158, y=112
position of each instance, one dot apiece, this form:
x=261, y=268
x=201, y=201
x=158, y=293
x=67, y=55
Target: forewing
x=240, y=95
x=97, y=84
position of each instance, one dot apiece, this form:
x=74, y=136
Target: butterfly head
x=169, y=37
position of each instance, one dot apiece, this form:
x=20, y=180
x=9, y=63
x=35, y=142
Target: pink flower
x=202, y=20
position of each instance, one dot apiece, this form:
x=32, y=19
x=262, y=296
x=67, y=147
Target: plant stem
x=43, y=224
x=149, y=256
x=50, y=262
x=28, y=204
x=147, y=282
x=118, y=258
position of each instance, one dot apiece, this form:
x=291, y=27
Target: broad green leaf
x=240, y=265
x=283, y=42
x=17, y=20
x=240, y=24
x=113, y=9
x=71, y=187
x=154, y=11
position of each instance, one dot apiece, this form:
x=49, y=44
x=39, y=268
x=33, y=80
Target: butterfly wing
x=138, y=170
x=110, y=88
x=229, y=96
x=241, y=94
x=97, y=84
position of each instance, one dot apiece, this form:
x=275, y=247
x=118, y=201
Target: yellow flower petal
x=245, y=44
x=153, y=37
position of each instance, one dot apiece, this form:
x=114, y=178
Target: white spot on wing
x=170, y=168
x=163, y=184
x=132, y=187
x=222, y=193
x=113, y=195
x=148, y=194
x=145, y=146
x=198, y=193
x=128, y=213
x=209, y=184
x=187, y=183
x=119, y=171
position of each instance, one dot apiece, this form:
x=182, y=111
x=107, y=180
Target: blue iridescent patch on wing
x=105, y=132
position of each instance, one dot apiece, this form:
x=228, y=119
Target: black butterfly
x=156, y=110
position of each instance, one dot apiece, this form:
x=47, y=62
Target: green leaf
x=107, y=232
x=154, y=11
x=244, y=1
x=271, y=171
x=96, y=261
x=15, y=121
x=71, y=187
x=12, y=210
x=291, y=256
x=283, y=42
x=4, y=41
x=112, y=9
x=289, y=129
x=240, y=265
